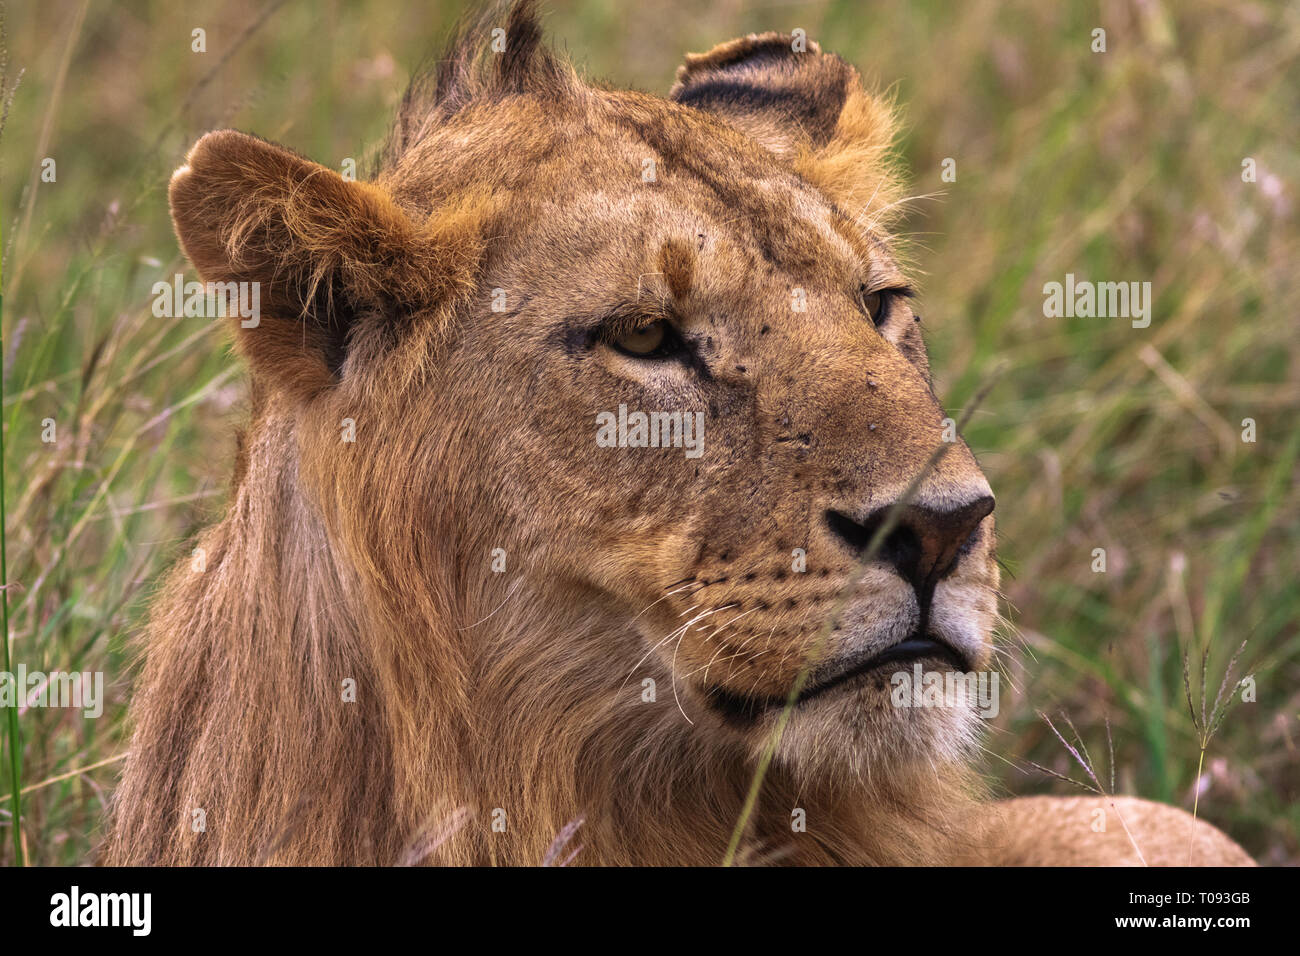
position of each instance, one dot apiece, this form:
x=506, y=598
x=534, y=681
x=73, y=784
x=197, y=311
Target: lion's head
x=465, y=372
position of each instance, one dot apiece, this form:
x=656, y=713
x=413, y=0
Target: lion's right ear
x=326, y=253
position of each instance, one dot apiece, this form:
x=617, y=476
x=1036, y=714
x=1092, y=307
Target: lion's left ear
x=806, y=106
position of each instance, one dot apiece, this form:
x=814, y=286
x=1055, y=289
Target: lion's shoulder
x=1103, y=831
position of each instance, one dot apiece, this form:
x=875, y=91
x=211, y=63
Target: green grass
x=12, y=739
x=1117, y=166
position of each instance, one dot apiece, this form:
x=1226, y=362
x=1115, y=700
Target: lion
x=443, y=621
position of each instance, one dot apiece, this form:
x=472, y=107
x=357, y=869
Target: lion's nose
x=926, y=542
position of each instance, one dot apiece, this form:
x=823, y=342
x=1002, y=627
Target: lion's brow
x=677, y=265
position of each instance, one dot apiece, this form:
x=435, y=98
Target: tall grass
x=13, y=741
x=1124, y=165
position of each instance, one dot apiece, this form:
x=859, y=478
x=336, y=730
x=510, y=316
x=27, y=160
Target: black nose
x=924, y=545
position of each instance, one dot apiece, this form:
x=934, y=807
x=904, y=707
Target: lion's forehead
x=607, y=238
x=631, y=174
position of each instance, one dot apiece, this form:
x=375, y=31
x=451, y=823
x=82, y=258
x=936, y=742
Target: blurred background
x=1125, y=165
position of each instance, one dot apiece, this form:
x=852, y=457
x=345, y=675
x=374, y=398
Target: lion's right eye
x=656, y=341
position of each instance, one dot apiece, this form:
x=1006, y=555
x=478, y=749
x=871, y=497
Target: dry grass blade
x=552, y=856
x=1096, y=787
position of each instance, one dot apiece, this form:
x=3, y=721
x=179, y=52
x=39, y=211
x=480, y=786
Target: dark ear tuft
x=473, y=69
x=524, y=54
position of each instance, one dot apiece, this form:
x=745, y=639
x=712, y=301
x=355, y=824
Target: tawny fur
x=495, y=707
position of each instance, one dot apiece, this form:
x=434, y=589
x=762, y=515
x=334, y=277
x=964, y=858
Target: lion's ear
x=325, y=252
x=804, y=105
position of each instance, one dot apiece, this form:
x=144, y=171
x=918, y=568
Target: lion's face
x=660, y=354
x=766, y=336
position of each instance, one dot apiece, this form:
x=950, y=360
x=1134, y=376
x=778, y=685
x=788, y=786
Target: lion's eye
x=653, y=341
x=879, y=305
x=873, y=304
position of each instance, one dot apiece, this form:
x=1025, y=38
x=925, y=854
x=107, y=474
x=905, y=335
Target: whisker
x=667, y=596
x=513, y=587
x=674, y=633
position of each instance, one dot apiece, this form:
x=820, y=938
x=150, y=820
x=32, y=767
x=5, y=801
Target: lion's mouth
x=916, y=647
x=745, y=709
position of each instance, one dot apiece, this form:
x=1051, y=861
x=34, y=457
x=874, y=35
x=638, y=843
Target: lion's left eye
x=879, y=305
x=873, y=303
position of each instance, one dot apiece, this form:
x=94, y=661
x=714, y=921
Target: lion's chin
x=860, y=731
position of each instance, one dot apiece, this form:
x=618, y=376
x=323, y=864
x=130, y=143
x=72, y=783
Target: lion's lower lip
x=836, y=674
x=914, y=648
